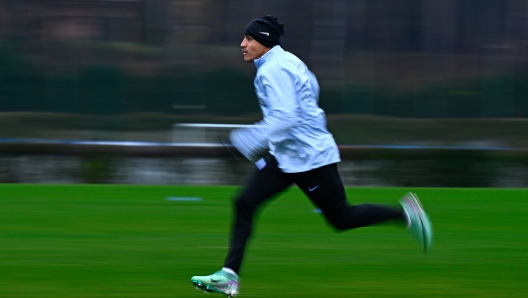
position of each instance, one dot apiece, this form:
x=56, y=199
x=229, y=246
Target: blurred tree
x=328, y=51
x=156, y=24
x=410, y=58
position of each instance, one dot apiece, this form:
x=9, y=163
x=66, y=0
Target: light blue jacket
x=293, y=128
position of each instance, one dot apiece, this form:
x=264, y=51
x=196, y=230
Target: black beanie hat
x=267, y=30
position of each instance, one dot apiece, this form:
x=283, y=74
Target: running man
x=297, y=149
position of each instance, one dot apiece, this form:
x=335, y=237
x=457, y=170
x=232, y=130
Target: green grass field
x=129, y=241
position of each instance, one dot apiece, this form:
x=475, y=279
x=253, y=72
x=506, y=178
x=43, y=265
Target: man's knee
x=338, y=224
x=337, y=220
x=244, y=203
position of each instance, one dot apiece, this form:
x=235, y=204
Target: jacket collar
x=260, y=61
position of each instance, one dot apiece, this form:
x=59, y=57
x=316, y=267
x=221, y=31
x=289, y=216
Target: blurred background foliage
x=415, y=66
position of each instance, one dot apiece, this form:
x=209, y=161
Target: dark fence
x=410, y=58
x=105, y=90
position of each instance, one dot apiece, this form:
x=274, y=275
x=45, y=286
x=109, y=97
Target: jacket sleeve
x=277, y=97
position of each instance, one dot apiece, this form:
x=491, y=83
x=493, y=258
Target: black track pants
x=324, y=188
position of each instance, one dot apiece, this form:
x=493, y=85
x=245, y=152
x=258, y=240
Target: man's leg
x=268, y=181
x=325, y=188
x=263, y=185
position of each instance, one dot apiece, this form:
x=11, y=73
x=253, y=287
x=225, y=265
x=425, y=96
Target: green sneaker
x=419, y=223
x=220, y=282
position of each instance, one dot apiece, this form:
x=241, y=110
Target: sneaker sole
x=424, y=221
x=207, y=288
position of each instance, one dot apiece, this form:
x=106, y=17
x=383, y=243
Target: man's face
x=252, y=49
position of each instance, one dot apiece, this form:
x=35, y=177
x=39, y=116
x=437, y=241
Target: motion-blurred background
x=417, y=92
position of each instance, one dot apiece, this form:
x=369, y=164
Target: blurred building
x=324, y=26
x=408, y=58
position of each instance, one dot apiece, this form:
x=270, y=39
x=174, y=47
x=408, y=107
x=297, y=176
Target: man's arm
x=279, y=105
